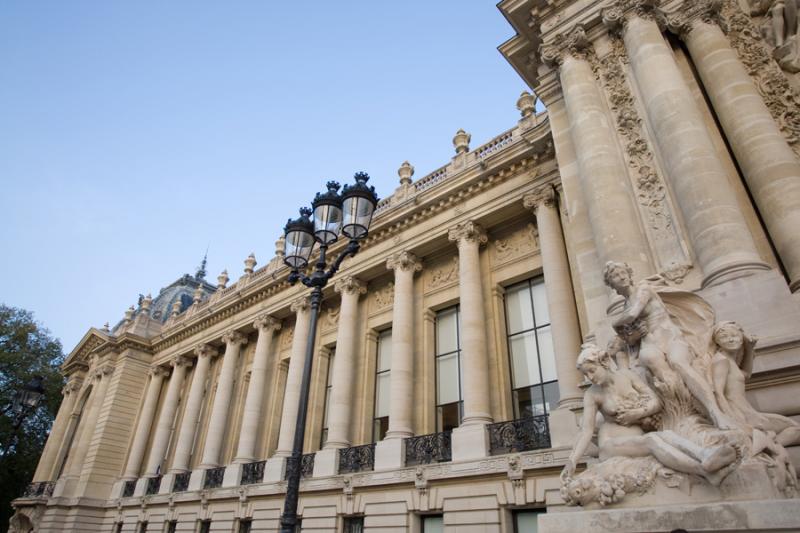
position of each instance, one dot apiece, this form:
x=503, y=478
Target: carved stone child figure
x=731, y=365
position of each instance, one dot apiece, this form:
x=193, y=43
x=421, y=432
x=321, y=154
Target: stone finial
x=405, y=172
x=250, y=264
x=129, y=314
x=280, y=247
x=404, y=261
x=526, y=103
x=176, y=307
x=198, y=295
x=461, y=141
x=467, y=232
x=222, y=279
x=146, y=302
x=106, y=328
x=350, y=285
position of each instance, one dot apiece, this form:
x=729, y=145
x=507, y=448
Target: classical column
x=158, y=450
x=474, y=357
x=44, y=470
x=218, y=419
x=603, y=175
x=401, y=377
x=142, y=433
x=340, y=410
x=560, y=294
x=101, y=379
x=266, y=327
x=191, y=410
x=718, y=232
x=291, y=396
x=770, y=167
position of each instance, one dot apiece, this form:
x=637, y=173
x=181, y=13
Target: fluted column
x=218, y=418
x=770, y=167
x=560, y=294
x=44, y=470
x=191, y=411
x=340, y=410
x=252, y=418
x=101, y=377
x=401, y=377
x=603, y=175
x=158, y=449
x=294, y=378
x=720, y=238
x=142, y=433
x=469, y=236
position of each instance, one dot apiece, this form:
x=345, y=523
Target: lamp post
x=348, y=215
x=26, y=399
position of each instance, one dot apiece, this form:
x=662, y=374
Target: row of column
x=720, y=238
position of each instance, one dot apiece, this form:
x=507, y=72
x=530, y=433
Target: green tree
x=26, y=350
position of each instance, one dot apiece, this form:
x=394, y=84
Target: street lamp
x=334, y=215
x=26, y=399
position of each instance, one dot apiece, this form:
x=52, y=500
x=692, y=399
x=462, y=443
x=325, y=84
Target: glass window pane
x=446, y=328
x=518, y=305
x=526, y=522
x=327, y=403
x=551, y=395
x=382, y=394
x=547, y=355
x=529, y=401
x=432, y=524
x=525, y=365
x=384, y=351
x=447, y=379
x=540, y=303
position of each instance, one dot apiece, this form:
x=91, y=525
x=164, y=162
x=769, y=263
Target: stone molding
x=404, y=260
x=350, y=285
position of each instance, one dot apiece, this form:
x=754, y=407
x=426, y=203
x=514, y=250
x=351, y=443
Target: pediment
x=79, y=356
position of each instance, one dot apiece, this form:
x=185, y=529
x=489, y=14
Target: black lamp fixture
x=348, y=215
x=26, y=399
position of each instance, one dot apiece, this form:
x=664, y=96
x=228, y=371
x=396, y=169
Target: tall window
x=530, y=346
x=383, y=366
x=205, y=526
x=353, y=524
x=172, y=526
x=328, y=388
x=526, y=521
x=449, y=404
x=432, y=524
x=245, y=525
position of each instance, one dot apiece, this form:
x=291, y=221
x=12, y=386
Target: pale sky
x=133, y=135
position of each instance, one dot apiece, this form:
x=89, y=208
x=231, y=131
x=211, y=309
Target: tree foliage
x=26, y=350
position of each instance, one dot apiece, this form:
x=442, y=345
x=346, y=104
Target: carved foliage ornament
x=350, y=285
x=404, y=261
x=574, y=44
x=234, y=337
x=267, y=322
x=467, y=232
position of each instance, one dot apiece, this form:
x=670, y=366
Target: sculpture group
x=671, y=391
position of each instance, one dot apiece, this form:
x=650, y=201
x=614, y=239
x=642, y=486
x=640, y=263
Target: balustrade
x=519, y=435
x=153, y=484
x=214, y=477
x=253, y=472
x=306, y=466
x=128, y=488
x=357, y=458
x=39, y=489
x=426, y=449
x=181, y=483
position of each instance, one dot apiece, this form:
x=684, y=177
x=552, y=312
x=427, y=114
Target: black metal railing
x=214, y=477
x=181, y=483
x=532, y=433
x=39, y=489
x=306, y=466
x=253, y=472
x=357, y=458
x=426, y=449
x=153, y=484
x=128, y=488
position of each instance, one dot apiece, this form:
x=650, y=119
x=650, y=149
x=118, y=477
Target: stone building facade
x=444, y=387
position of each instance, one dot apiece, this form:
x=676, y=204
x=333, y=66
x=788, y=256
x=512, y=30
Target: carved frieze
x=519, y=243
x=330, y=319
x=443, y=275
x=383, y=298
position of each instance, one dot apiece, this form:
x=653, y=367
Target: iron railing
x=426, y=449
x=253, y=472
x=523, y=434
x=153, y=484
x=128, y=488
x=306, y=466
x=357, y=458
x=214, y=477
x=39, y=489
x=181, y=483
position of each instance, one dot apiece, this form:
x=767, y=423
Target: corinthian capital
x=267, y=322
x=73, y=385
x=467, y=232
x=105, y=369
x=158, y=371
x=544, y=195
x=205, y=350
x=180, y=361
x=690, y=15
x=234, y=337
x=572, y=43
x=350, y=285
x=300, y=305
x=404, y=261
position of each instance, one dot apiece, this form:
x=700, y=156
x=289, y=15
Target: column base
x=390, y=454
x=733, y=271
x=326, y=462
x=275, y=469
x=470, y=442
x=563, y=425
x=141, y=487
x=197, y=479
x=233, y=475
x=167, y=481
x=116, y=489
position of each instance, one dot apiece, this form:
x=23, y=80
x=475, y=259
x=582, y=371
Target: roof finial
x=201, y=272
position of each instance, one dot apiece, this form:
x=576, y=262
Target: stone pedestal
x=720, y=517
x=326, y=462
x=167, y=482
x=564, y=427
x=275, y=469
x=116, y=489
x=141, y=487
x=197, y=478
x=389, y=454
x=233, y=475
x=470, y=442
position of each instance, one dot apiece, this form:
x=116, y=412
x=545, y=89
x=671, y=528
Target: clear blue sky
x=135, y=134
